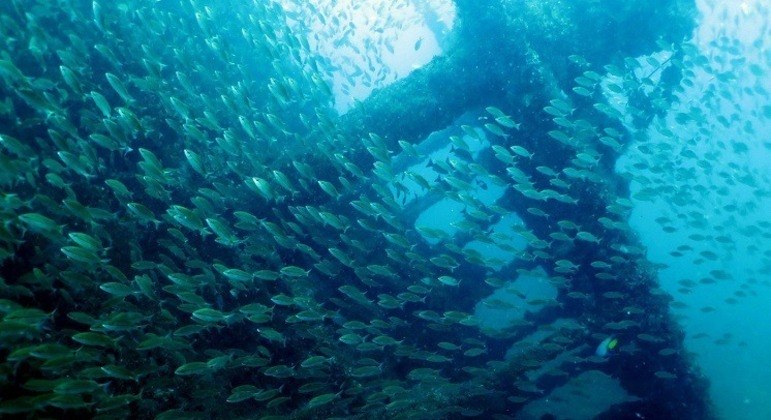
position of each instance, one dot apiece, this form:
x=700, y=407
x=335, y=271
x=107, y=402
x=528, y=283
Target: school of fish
x=186, y=233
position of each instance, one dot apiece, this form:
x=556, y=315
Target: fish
x=606, y=346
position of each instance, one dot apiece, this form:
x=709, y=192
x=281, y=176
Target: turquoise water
x=386, y=209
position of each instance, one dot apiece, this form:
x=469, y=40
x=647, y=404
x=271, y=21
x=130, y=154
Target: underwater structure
x=522, y=71
x=191, y=231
